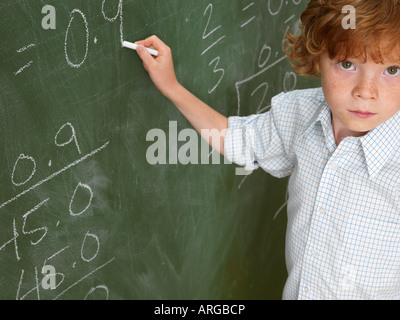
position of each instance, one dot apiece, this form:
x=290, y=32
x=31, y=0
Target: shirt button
x=306, y=290
x=312, y=252
x=334, y=166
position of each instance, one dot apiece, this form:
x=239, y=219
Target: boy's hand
x=161, y=68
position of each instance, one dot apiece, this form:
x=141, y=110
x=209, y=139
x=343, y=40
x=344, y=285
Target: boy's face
x=361, y=96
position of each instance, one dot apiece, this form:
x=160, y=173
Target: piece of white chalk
x=134, y=46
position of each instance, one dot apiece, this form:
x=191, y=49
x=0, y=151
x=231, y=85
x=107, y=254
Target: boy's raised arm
x=161, y=71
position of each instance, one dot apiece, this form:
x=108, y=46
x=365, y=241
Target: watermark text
x=349, y=21
x=185, y=147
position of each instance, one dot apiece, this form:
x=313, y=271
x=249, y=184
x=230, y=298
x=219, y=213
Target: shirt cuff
x=237, y=148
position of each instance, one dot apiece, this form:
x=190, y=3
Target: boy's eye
x=393, y=71
x=346, y=65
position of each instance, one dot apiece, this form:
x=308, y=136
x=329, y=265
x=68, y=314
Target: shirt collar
x=322, y=116
x=378, y=145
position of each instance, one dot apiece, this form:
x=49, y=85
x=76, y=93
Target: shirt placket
x=324, y=247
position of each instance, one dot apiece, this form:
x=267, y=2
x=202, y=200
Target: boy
x=340, y=144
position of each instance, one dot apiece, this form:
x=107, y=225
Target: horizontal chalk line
x=24, y=67
x=248, y=21
x=212, y=45
x=55, y=174
x=26, y=47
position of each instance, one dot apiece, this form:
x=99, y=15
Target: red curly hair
x=377, y=33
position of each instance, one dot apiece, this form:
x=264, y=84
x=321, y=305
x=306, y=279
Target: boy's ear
x=318, y=69
x=317, y=66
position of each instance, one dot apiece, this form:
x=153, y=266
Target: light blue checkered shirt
x=343, y=233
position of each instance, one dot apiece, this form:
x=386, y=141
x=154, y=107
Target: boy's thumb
x=145, y=56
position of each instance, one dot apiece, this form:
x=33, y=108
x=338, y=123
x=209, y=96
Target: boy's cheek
x=333, y=91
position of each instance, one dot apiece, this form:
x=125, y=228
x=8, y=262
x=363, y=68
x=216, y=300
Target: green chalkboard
x=79, y=121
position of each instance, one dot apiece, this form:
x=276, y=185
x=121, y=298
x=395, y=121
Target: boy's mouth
x=362, y=114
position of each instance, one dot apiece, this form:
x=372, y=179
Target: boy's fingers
x=146, y=57
x=140, y=42
x=154, y=42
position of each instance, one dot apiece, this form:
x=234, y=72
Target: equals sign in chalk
x=134, y=46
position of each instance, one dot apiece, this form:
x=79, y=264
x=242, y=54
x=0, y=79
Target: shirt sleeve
x=256, y=141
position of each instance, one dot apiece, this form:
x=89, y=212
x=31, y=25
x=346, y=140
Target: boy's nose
x=366, y=89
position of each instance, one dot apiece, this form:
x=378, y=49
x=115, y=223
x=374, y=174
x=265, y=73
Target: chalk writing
x=74, y=13
x=112, y=19
x=42, y=230
x=207, y=33
x=72, y=138
x=102, y=287
x=258, y=85
x=80, y=186
x=34, y=230
x=29, y=46
x=96, y=239
x=73, y=164
x=16, y=165
x=249, y=20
